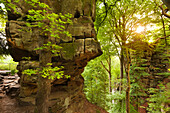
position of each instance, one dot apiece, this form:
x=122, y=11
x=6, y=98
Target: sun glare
x=151, y=40
x=140, y=29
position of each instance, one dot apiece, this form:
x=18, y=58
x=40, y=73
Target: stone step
x=9, y=85
x=5, y=72
x=9, y=77
x=2, y=95
x=7, y=81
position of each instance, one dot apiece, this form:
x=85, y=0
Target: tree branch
x=1, y=33
x=164, y=13
x=107, y=8
x=156, y=41
x=104, y=66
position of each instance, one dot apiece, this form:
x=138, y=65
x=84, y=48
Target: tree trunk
x=163, y=25
x=44, y=84
x=128, y=94
x=110, y=76
x=121, y=69
x=128, y=82
x=44, y=88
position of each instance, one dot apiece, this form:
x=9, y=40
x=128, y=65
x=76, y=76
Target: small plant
x=47, y=72
x=13, y=72
x=51, y=25
x=159, y=99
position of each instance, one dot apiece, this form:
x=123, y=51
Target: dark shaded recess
x=65, y=83
x=3, y=47
x=83, y=12
x=77, y=14
x=79, y=37
x=12, y=16
x=80, y=67
x=25, y=18
x=21, y=53
x=62, y=41
x=58, y=59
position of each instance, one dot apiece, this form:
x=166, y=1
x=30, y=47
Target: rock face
x=9, y=85
x=150, y=69
x=67, y=95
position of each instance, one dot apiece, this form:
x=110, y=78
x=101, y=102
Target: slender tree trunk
x=110, y=76
x=105, y=86
x=109, y=72
x=163, y=24
x=128, y=92
x=128, y=82
x=121, y=69
x=44, y=84
x=44, y=89
x=92, y=98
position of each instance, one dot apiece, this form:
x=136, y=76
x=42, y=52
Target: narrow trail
x=9, y=105
x=9, y=88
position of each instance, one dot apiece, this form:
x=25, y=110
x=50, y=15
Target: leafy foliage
x=51, y=25
x=116, y=23
x=158, y=101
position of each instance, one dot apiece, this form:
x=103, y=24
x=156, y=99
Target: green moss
x=166, y=62
x=98, y=111
x=140, y=68
x=85, y=21
x=145, y=74
x=164, y=74
x=68, y=51
x=144, y=65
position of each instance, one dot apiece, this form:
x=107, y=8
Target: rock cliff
x=149, y=69
x=66, y=95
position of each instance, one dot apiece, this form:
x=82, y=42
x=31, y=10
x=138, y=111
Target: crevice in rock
x=77, y=14
x=79, y=37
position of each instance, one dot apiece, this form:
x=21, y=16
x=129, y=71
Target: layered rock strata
x=150, y=68
x=66, y=95
x=9, y=85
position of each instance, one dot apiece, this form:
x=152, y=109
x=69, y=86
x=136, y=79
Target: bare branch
x=164, y=12
x=1, y=33
x=156, y=41
x=104, y=66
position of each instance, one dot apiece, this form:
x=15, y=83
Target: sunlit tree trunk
x=163, y=24
x=108, y=71
x=127, y=65
x=121, y=70
x=110, y=75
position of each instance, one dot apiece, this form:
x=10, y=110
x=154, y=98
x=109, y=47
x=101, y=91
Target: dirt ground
x=8, y=105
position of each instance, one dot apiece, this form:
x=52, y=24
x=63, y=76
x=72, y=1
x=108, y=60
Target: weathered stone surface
x=9, y=85
x=67, y=94
x=24, y=40
x=11, y=106
x=155, y=62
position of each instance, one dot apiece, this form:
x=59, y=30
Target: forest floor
x=9, y=105
x=9, y=86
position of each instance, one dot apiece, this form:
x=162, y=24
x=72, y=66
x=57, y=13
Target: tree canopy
x=129, y=30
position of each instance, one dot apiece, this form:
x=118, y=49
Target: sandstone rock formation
x=67, y=95
x=9, y=85
x=150, y=69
